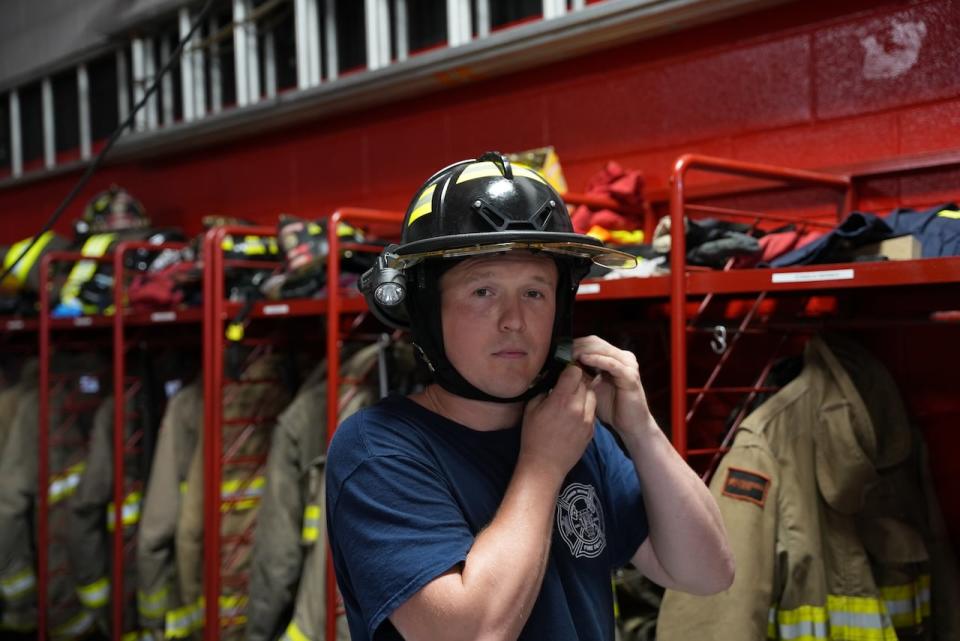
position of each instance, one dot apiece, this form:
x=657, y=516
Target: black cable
x=98, y=159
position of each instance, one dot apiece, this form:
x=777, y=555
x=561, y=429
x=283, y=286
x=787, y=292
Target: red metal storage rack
x=120, y=322
x=688, y=284
x=122, y=443
x=217, y=311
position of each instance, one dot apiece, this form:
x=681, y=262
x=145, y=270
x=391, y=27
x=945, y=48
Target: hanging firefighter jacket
x=826, y=546
x=157, y=588
x=71, y=403
x=18, y=584
x=92, y=516
x=290, y=525
x=250, y=408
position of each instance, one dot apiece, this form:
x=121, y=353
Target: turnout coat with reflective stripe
x=250, y=410
x=801, y=485
x=157, y=589
x=287, y=580
x=89, y=536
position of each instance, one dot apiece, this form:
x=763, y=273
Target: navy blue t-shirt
x=409, y=490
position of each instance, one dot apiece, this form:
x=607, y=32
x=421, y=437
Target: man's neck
x=482, y=416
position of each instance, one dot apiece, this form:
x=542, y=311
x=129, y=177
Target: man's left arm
x=687, y=545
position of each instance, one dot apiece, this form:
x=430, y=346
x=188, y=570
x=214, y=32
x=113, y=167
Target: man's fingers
x=590, y=406
x=569, y=379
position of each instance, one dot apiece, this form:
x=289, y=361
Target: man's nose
x=511, y=315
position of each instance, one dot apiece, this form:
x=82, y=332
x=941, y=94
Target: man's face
x=497, y=316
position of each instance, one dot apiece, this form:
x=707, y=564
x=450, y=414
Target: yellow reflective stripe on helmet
x=311, y=524
x=18, y=584
x=97, y=245
x=65, y=484
x=294, y=633
x=908, y=604
x=488, y=169
x=19, y=274
x=251, y=245
x=424, y=204
x=94, y=595
x=152, y=605
x=237, y=489
x=79, y=625
x=130, y=511
x=949, y=213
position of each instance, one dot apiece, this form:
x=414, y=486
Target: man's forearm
x=504, y=569
x=491, y=598
x=686, y=529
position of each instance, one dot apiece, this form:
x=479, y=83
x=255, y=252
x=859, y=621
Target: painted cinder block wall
x=812, y=83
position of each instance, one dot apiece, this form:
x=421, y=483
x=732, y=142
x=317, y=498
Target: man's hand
x=621, y=401
x=558, y=426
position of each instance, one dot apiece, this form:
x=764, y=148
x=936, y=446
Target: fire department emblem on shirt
x=580, y=520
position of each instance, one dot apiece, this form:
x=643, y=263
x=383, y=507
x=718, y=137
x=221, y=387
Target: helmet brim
x=468, y=245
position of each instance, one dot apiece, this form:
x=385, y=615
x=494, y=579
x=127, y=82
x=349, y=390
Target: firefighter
x=486, y=479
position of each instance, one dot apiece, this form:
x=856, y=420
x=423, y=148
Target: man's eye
x=534, y=293
x=481, y=291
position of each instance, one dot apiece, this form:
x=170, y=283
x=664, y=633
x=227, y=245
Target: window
x=426, y=24
x=104, y=88
x=31, y=125
x=351, y=35
x=220, y=74
x=277, y=48
x=66, y=111
x=170, y=91
x=504, y=13
x=6, y=151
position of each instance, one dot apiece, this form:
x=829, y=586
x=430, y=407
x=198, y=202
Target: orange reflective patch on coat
x=745, y=485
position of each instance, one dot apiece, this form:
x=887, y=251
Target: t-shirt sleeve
x=397, y=527
x=625, y=514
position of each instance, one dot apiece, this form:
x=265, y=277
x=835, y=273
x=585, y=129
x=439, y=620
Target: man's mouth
x=510, y=353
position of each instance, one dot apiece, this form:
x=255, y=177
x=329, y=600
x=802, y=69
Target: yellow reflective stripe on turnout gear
x=424, y=204
x=238, y=489
x=846, y=618
x=18, y=622
x=80, y=624
x=84, y=270
x=19, y=274
x=130, y=512
x=18, y=585
x=908, y=604
x=311, y=524
x=64, y=484
x=294, y=633
x=94, y=595
x=183, y=487
x=152, y=605
x=772, y=623
x=181, y=623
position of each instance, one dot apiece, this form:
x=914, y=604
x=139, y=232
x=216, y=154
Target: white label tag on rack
x=589, y=288
x=810, y=277
x=163, y=317
x=276, y=310
x=82, y=321
x=14, y=325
